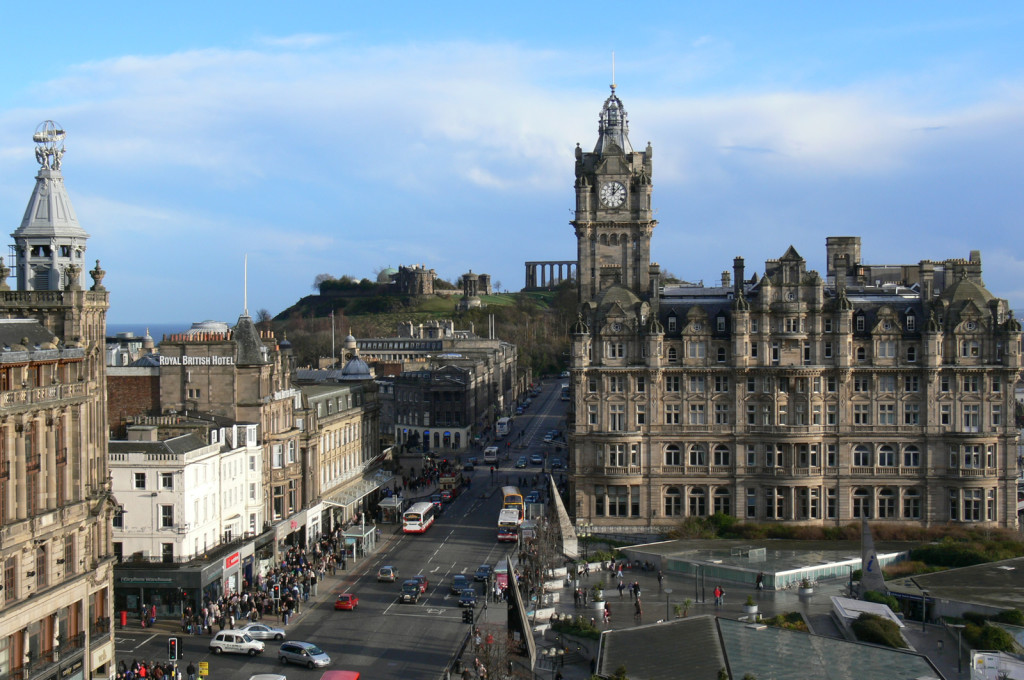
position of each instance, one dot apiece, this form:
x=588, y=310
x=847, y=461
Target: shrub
x=882, y=598
x=789, y=621
x=579, y=626
x=879, y=631
x=976, y=618
x=1014, y=617
x=989, y=637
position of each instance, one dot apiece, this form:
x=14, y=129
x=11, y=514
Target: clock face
x=616, y=327
x=613, y=194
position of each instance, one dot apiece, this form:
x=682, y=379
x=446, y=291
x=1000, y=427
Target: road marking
x=435, y=611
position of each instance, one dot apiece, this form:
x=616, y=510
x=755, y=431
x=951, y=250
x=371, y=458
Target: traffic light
x=277, y=592
x=172, y=648
x=467, y=616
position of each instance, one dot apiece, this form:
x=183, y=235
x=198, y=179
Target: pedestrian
x=622, y=587
x=638, y=610
x=607, y=616
x=759, y=582
x=718, y=596
x=191, y=671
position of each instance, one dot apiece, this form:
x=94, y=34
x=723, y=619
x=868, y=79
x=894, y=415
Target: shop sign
x=231, y=560
x=70, y=670
x=162, y=580
x=204, y=668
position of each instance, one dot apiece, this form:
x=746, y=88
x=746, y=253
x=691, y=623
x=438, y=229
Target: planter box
x=805, y=591
x=750, y=609
x=598, y=604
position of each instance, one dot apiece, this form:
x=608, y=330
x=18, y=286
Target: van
x=235, y=642
x=490, y=455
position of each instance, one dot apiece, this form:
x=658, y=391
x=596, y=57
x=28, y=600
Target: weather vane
x=50, y=139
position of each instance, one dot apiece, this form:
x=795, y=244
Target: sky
x=343, y=137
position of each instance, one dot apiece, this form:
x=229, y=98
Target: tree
x=264, y=320
x=496, y=286
x=320, y=279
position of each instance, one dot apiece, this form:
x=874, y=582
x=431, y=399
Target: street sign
x=204, y=668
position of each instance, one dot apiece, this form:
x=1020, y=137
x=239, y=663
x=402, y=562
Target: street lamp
x=959, y=652
x=554, y=655
x=924, y=609
x=668, y=592
x=584, y=533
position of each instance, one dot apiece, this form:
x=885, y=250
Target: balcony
x=100, y=628
x=48, y=661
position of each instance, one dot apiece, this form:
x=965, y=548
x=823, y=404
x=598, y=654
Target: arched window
x=723, y=501
x=911, y=504
x=861, y=503
x=911, y=456
x=673, y=502
x=721, y=355
x=673, y=355
x=698, y=503
x=698, y=455
x=673, y=455
x=722, y=455
x=886, y=503
x=862, y=354
x=862, y=455
x=886, y=456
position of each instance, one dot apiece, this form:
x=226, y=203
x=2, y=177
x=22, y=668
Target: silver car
x=304, y=654
x=261, y=631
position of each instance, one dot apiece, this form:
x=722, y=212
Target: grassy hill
x=536, y=322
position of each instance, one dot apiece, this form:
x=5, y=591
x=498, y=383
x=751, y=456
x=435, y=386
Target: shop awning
x=357, y=488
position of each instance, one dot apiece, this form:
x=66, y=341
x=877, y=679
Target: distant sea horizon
x=156, y=330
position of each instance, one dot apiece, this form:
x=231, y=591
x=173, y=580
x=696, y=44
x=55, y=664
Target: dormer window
x=720, y=324
x=911, y=322
x=671, y=324
x=860, y=323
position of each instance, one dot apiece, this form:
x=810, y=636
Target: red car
x=346, y=601
x=422, y=580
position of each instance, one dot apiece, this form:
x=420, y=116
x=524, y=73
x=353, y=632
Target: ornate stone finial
x=97, y=275
x=5, y=271
x=73, y=273
x=49, y=137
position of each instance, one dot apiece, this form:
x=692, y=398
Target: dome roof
x=619, y=295
x=356, y=369
x=385, y=274
x=965, y=289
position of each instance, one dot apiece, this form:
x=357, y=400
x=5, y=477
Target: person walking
x=718, y=596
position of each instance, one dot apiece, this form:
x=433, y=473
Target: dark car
x=468, y=467
x=467, y=598
x=437, y=501
x=521, y=462
x=410, y=591
x=557, y=464
x=536, y=459
x=459, y=583
x=532, y=497
x=483, y=572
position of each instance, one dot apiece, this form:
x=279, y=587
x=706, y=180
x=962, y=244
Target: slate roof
x=182, y=444
x=250, y=346
x=658, y=651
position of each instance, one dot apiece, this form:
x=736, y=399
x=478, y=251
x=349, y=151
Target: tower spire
x=245, y=286
x=613, y=71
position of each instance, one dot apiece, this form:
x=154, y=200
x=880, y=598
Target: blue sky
x=340, y=138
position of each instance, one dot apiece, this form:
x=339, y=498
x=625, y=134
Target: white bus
x=503, y=427
x=490, y=455
x=508, y=525
x=418, y=518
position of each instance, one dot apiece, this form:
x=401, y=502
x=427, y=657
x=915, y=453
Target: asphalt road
x=382, y=638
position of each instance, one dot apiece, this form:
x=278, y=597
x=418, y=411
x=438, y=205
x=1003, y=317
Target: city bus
x=565, y=391
x=503, y=427
x=508, y=525
x=418, y=518
x=512, y=499
x=501, y=573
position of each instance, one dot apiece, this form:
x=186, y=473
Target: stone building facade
x=880, y=392
x=55, y=498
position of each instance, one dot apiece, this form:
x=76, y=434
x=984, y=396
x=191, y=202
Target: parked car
x=410, y=591
x=422, y=580
x=536, y=459
x=459, y=583
x=483, y=572
x=467, y=598
x=235, y=642
x=387, y=574
x=346, y=601
x=521, y=462
x=565, y=374
x=304, y=654
x=261, y=631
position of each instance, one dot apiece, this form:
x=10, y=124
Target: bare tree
x=264, y=320
x=320, y=279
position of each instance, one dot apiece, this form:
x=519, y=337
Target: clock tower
x=613, y=219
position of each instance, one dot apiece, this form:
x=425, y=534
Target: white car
x=235, y=642
x=261, y=631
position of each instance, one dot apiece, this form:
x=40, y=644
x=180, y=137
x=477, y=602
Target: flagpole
x=332, y=339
